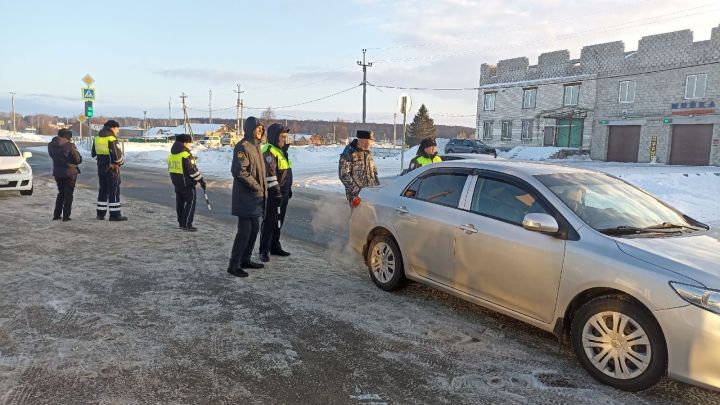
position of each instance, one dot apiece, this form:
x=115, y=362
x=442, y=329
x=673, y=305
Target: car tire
x=449, y=151
x=385, y=263
x=473, y=151
x=27, y=192
x=602, y=347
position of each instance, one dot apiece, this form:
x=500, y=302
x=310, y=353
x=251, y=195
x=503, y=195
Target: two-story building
x=654, y=104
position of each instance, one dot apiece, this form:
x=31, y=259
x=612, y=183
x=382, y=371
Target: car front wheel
x=385, y=263
x=619, y=343
x=449, y=151
x=27, y=192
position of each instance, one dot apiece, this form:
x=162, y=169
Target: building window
x=570, y=97
x=695, y=86
x=529, y=96
x=487, y=130
x=490, y=101
x=526, y=134
x=627, y=91
x=506, y=131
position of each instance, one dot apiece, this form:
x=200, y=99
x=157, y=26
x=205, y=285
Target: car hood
x=696, y=257
x=10, y=162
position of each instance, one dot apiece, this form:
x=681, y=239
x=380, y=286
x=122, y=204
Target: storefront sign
x=653, y=148
x=693, y=108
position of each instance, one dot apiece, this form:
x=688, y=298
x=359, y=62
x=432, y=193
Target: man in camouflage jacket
x=357, y=168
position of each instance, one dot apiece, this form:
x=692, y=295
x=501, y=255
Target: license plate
x=4, y=182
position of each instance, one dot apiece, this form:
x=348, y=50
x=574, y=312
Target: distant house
x=159, y=132
x=130, y=132
x=201, y=130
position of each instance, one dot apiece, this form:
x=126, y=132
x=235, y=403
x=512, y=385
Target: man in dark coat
x=66, y=159
x=109, y=159
x=184, y=175
x=357, y=168
x=249, y=195
x=278, y=170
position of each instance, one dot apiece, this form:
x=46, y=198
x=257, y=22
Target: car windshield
x=8, y=148
x=612, y=206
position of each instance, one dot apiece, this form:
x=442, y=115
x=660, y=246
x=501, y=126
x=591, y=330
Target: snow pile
x=25, y=137
x=530, y=152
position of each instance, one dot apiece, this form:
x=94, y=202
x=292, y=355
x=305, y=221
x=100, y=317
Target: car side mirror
x=27, y=155
x=537, y=222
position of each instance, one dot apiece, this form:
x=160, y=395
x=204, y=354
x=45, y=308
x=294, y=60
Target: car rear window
x=8, y=148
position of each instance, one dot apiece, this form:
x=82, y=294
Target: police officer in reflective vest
x=278, y=170
x=184, y=175
x=109, y=159
x=426, y=154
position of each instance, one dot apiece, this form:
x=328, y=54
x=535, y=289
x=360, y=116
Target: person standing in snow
x=278, y=170
x=66, y=159
x=426, y=154
x=357, y=168
x=184, y=175
x=109, y=159
x=249, y=195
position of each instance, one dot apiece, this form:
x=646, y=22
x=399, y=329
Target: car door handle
x=469, y=228
x=402, y=210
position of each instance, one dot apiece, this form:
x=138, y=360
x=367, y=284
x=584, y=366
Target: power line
x=306, y=102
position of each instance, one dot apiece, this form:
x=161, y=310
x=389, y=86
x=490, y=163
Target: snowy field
x=154, y=318
x=692, y=189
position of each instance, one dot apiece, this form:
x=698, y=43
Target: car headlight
x=24, y=168
x=702, y=297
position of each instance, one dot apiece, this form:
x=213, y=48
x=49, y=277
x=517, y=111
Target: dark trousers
x=185, y=205
x=247, y=231
x=272, y=223
x=109, y=193
x=63, y=202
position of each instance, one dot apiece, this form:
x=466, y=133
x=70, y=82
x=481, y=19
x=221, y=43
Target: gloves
x=203, y=184
x=290, y=195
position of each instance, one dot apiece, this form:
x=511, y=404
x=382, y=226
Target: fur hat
x=65, y=133
x=426, y=142
x=112, y=124
x=182, y=138
x=364, y=134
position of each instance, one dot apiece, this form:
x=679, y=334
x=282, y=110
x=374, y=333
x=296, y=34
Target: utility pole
x=145, y=123
x=12, y=95
x=364, y=82
x=334, y=135
x=188, y=128
x=169, y=112
x=238, y=112
x=394, y=129
x=210, y=105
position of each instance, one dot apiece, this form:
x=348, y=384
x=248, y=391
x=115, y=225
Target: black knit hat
x=363, y=134
x=426, y=142
x=182, y=138
x=112, y=124
x=65, y=133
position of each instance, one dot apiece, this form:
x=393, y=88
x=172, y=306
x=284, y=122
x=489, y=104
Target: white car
x=15, y=172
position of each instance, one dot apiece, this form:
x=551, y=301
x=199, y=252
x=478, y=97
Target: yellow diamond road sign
x=88, y=80
x=82, y=118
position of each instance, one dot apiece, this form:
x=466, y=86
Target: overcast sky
x=144, y=54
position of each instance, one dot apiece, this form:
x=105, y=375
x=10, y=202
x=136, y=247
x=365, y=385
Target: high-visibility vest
x=422, y=160
x=174, y=161
x=102, y=144
x=283, y=162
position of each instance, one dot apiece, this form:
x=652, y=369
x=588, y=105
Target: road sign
x=604, y=122
x=82, y=118
x=667, y=120
x=88, y=93
x=2, y=123
x=404, y=103
x=88, y=80
x=88, y=109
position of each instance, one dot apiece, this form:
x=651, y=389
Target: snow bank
x=530, y=152
x=25, y=137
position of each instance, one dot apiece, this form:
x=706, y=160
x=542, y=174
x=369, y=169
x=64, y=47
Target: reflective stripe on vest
x=174, y=161
x=102, y=144
x=283, y=162
x=422, y=160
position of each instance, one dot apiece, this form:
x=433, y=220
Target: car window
x=468, y=143
x=504, y=201
x=7, y=148
x=438, y=188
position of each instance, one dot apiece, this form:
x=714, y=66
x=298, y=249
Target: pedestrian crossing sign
x=88, y=94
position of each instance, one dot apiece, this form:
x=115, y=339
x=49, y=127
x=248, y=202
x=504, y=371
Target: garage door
x=623, y=143
x=691, y=145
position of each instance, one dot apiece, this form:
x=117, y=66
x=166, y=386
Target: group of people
x=262, y=181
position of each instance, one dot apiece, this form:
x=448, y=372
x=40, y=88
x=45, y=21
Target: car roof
x=515, y=167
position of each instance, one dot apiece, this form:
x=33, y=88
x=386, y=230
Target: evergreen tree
x=422, y=127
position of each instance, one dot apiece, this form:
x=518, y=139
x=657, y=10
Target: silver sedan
x=630, y=281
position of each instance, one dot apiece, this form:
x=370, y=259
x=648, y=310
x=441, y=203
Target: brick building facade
x=654, y=104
